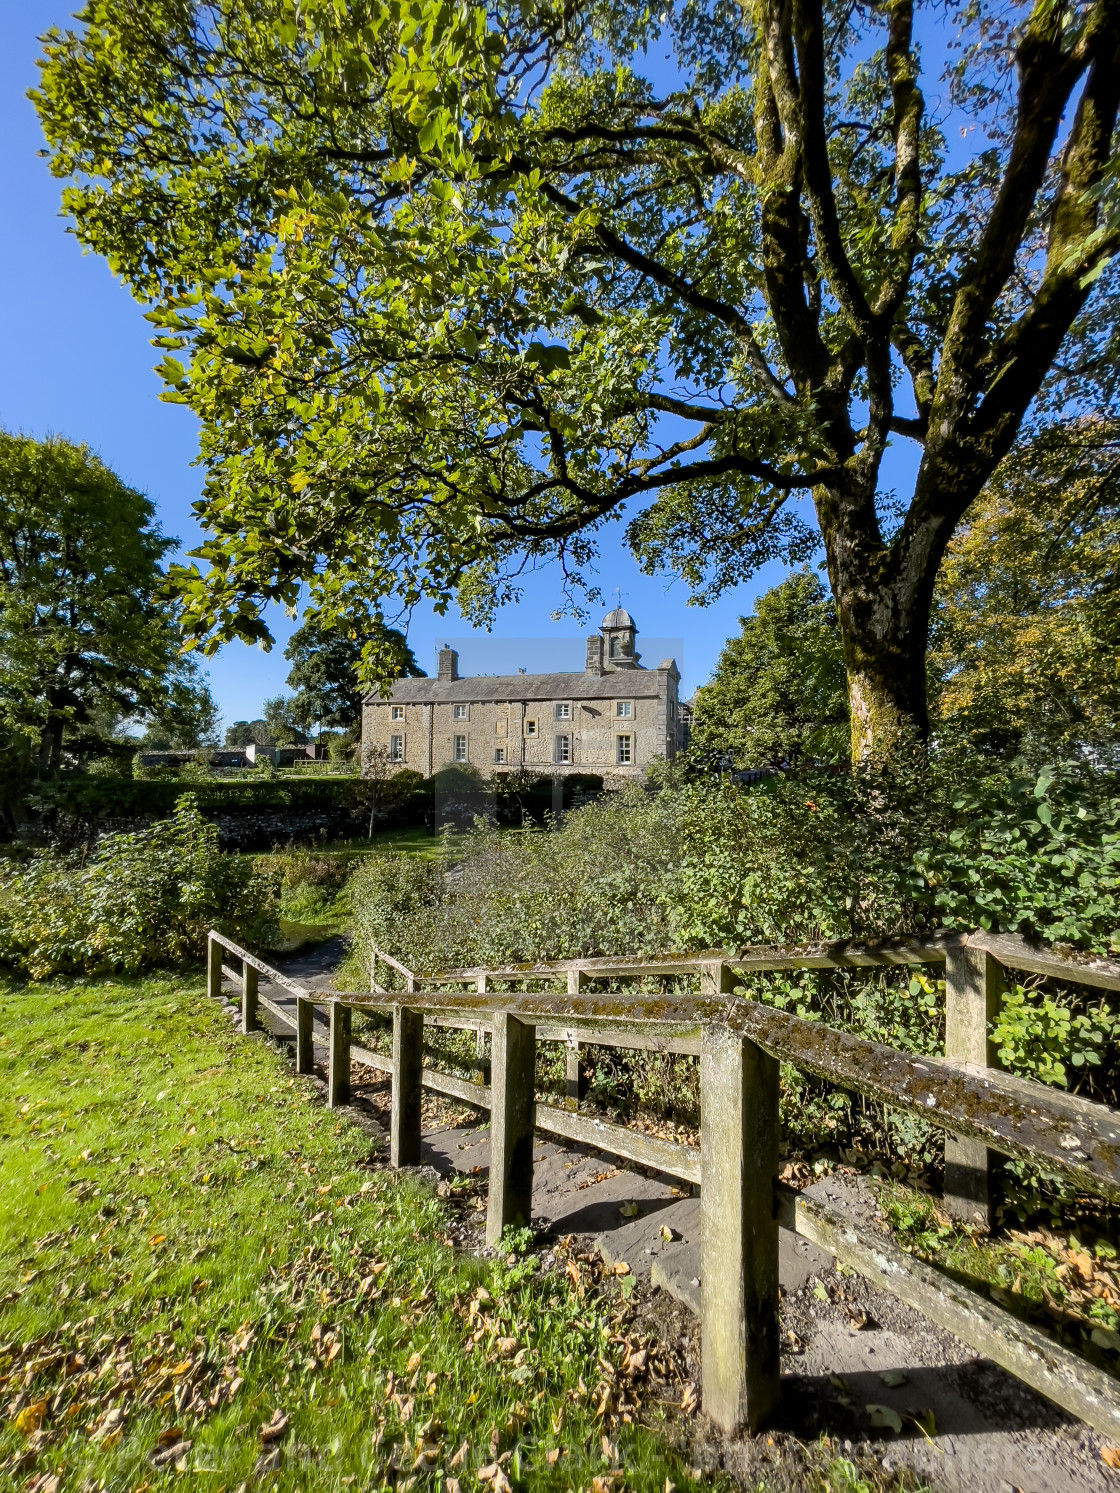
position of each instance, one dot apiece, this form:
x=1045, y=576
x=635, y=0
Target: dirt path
x=848, y=1348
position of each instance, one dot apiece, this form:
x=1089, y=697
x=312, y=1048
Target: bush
x=797, y=857
x=520, y=895
x=137, y=902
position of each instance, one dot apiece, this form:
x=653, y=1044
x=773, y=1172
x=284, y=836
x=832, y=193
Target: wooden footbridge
x=740, y=1044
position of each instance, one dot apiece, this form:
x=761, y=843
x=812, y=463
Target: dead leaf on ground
x=1110, y=1456
x=28, y=1421
x=275, y=1429
x=885, y=1418
x=494, y=1474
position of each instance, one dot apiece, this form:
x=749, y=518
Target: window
x=563, y=711
x=499, y=755
x=460, y=751
x=530, y=728
x=562, y=749
x=616, y=648
x=624, y=754
x=396, y=748
x=672, y=710
x=623, y=709
x=398, y=712
x=460, y=712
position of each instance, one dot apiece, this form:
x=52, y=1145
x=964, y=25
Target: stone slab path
x=988, y=1433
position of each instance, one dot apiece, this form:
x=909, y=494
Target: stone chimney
x=448, y=664
x=594, y=663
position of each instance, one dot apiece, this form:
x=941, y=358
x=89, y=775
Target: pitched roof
x=623, y=683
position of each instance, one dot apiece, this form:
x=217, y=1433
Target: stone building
x=613, y=720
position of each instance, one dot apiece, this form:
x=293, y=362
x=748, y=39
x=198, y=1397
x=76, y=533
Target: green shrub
x=138, y=901
x=794, y=858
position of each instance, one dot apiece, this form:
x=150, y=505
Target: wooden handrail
x=741, y=1043
x=837, y=954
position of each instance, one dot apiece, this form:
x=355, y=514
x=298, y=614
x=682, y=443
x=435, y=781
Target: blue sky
x=77, y=362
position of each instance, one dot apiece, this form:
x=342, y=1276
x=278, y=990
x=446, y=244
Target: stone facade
x=612, y=720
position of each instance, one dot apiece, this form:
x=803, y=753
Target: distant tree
x=1026, y=629
x=189, y=720
x=240, y=734
x=85, y=631
x=778, y=690
x=284, y=722
x=325, y=661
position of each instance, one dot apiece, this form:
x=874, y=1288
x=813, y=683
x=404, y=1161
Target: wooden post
x=738, y=1230
x=249, y=1021
x=513, y=1051
x=974, y=983
x=305, y=1027
x=481, y=1064
x=408, y=1067
x=717, y=978
x=573, y=1088
x=213, y=968
x=338, y=1068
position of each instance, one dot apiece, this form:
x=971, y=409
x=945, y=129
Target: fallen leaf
x=169, y=1437
x=461, y=1455
x=1104, y=1337
x=275, y=1428
x=452, y=1485
x=175, y=1453
x=1110, y=1456
x=884, y=1417
x=893, y=1378
x=926, y=1424
x=629, y=1210
x=690, y=1398
x=820, y=1292
x=28, y=1421
x=622, y=1268
x=506, y=1346
x=156, y=1239
x=553, y=1456
x=414, y=1363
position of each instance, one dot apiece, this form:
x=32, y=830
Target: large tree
x=1026, y=627
x=86, y=633
x=777, y=691
x=458, y=286
x=326, y=661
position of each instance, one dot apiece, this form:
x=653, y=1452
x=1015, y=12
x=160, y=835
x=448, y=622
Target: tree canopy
x=86, y=633
x=326, y=663
x=777, y=691
x=458, y=285
x=1026, y=636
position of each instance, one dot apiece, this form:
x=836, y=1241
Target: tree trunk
x=50, y=746
x=883, y=608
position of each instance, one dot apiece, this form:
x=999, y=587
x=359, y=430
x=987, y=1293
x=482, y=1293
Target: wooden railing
x=740, y=1044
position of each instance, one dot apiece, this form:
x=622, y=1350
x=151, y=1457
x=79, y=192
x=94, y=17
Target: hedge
x=89, y=797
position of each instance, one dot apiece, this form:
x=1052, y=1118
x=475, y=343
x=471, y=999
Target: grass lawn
x=204, y=1274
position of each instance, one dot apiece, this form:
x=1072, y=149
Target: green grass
x=190, y=1243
